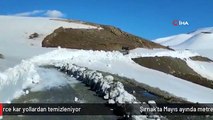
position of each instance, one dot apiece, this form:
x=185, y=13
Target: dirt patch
x=109, y=38
x=175, y=67
x=201, y=58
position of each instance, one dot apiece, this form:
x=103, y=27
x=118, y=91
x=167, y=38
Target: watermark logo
x=180, y=23
x=1, y=111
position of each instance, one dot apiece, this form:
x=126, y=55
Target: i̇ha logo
x=180, y=23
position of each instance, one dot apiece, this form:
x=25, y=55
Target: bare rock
x=34, y=35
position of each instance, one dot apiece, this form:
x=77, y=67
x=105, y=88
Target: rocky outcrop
x=201, y=58
x=33, y=36
x=107, y=38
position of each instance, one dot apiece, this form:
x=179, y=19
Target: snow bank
x=141, y=52
x=124, y=66
x=120, y=64
x=15, y=80
x=106, y=86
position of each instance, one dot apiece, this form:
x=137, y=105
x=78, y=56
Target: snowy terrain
x=15, y=32
x=194, y=40
x=18, y=74
x=199, y=41
x=25, y=74
x=203, y=68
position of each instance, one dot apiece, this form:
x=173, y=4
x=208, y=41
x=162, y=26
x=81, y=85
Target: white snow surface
x=199, y=42
x=173, y=40
x=21, y=76
x=15, y=32
x=207, y=53
x=205, y=69
x=113, y=91
x=141, y=52
x=196, y=40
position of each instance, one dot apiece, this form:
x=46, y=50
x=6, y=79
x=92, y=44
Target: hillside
x=106, y=38
x=199, y=39
x=175, y=67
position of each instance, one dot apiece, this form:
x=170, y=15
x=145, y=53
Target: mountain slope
x=176, y=67
x=106, y=38
x=200, y=39
x=15, y=31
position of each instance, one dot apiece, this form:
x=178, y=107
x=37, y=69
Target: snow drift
x=105, y=86
x=24, y=75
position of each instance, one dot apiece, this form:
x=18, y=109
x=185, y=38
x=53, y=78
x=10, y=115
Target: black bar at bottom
x=106, y=109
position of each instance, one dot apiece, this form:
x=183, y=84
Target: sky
x=149, y=19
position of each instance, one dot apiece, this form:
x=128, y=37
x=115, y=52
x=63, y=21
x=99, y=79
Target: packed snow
x=51, y=78
x=26, y=76
x=22, y=75
x=104, y=85
x=141, y=52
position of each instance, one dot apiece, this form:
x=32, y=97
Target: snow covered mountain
x=199, y=39
x=15, y=31
x=23, y=57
